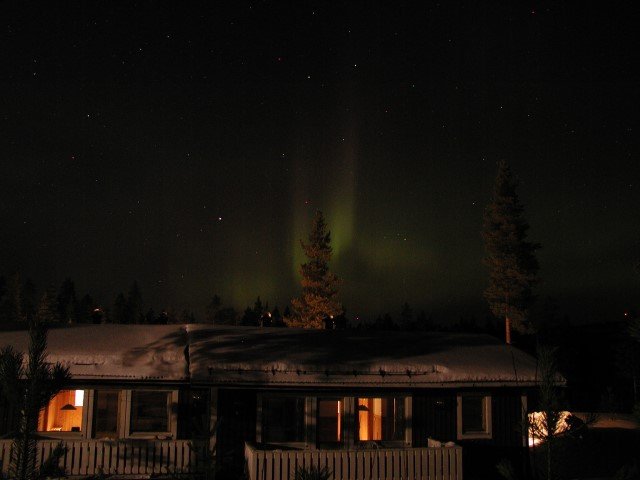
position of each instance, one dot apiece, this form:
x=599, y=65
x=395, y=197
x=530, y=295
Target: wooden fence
x=118, y=457
x=359, y=464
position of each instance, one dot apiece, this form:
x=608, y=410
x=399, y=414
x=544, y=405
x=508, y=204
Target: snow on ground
x=608, y=420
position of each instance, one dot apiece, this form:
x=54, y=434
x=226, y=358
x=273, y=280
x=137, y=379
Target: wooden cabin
x=166, y=399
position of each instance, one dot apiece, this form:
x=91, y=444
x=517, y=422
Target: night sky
x=187, y=147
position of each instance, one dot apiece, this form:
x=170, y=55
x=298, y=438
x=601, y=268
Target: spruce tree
x=406, y=317
x=29, y=302
x=319, y=286
x=226, y=316
x=276, y=318
x=150, y=317
x=551, y=420
x=11, y=306
x=510, y=258
x=86, y=307
x=29, y=386
x=212, y=309
x=67, y=302
x=47, y=307
x=120, y=310
x=187, y=317
x=250, y=318
x=134, y=305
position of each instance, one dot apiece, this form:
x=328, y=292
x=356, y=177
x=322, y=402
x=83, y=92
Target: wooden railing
x=358, y=464
x=118, y=457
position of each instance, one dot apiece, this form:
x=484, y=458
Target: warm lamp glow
x=63, y=413
x=370, y=418
x=79, y=401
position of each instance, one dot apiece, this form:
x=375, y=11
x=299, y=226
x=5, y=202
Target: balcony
x=443, y=463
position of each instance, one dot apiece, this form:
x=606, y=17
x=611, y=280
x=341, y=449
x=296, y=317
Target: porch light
x=79, y=401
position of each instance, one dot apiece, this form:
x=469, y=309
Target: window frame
x=87, y=428
x=407, y=436
x=344, y=423
x=308, y=419
x=487, y=433
x=83, y=433
x=349, y=419
x=91, y=427
x=170, y=434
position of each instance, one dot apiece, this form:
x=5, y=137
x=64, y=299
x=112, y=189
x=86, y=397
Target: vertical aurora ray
x=342, y=204
x=335, y=194
x=300, y=194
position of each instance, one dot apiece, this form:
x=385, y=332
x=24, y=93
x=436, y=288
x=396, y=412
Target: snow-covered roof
x=247, y=356
x=296, y=357
x=114, y=352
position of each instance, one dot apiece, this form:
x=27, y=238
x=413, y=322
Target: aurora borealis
x=188, y=147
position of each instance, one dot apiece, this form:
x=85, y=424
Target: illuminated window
x=63, y=413
x=329, y=426
x=474, y=416
x=283, y=419
x=381, y=419
x=105, y=414
x=150, y=411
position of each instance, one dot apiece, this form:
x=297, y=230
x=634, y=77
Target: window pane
x=329, y=420
x=283, y=419
x=149, y=411
x=105, y=416
x=64, y=412
x=193, y=413
x=473, y=414
x=381, y=418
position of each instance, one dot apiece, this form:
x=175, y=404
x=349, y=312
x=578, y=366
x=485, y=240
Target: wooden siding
x=236, y=415
x=358, y=464
x=434, y=416
x=122, y=457
x=507, y=419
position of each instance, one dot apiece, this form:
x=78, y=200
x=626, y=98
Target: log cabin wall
x=435, y=416
x=507, y=419
x=236, y=414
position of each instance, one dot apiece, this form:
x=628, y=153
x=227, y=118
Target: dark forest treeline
x=612, y=377
x=20, y=301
